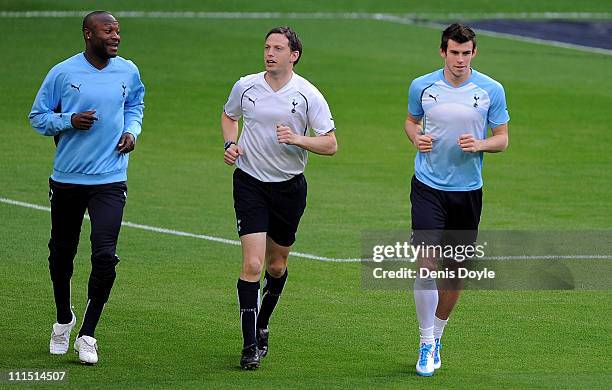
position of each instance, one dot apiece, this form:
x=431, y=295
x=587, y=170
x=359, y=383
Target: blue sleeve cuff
x=134, y=134
x=66, y=118
x=415, y=116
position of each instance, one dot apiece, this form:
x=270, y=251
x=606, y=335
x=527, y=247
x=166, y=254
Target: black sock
x=91, y=317
x=273, y=287
x=248, y=295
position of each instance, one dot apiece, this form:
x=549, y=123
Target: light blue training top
x=448, y=112
x=73, y=86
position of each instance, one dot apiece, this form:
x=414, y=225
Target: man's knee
x=276, y=259
x=427, y=283
x=105, y=250
x=61, y=257
x=102, y=277
x=277, y=264
x=104, y=265
x=252, y=265
x=451, y=284
x=62, y=250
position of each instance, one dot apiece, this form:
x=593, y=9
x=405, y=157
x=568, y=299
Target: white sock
x=439, y=327
x=427, y=335
x=426, y=301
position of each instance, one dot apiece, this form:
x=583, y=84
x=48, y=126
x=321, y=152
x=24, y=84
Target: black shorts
x=444, y=217
x=275, y=208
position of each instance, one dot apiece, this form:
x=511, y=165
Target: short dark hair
x=88, y=18
x=459, y=33
x=294, y=40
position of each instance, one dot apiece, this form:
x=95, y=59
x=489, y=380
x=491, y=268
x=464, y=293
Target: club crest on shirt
x=123, y=86
x=294, y=105
x=476, y=98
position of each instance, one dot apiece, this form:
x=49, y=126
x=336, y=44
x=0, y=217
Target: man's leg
x=253, y=254
x=446, y=302
x=449, y=290
x=274, y=280
x=426, y=300
x=462, y=229
x=428, y=220
x=288, y=205
x=67, y=210
x=251, y=203
x=105, y=206
x=448, y=293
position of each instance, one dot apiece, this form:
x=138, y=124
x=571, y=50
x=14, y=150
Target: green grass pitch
x=172, y=320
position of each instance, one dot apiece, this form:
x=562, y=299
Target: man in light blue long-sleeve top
x=92, y=104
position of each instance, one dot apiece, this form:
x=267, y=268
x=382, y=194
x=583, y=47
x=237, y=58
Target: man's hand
x=423, y=143
x=83, y=120
x=285, y=135
x=126, y=143
x=468, y=143
x=231, y=154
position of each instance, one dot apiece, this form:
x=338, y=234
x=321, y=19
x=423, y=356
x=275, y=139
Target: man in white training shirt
x=279, y=108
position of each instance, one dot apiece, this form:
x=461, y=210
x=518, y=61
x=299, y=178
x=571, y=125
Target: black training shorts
x=441, y=217
x=275, y=208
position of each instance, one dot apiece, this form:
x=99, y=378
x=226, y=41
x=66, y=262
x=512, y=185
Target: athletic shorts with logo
x=444, y=217
x=272, y=207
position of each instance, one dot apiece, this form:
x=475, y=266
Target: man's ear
x=295, y=55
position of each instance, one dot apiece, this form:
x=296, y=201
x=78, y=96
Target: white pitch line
x=179, y=233
x=495, y=34
x=415, y=19
x=546, y=42
x=226, y=241
x=206, y=237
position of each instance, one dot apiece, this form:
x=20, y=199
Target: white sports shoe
x=60, y=337
x=425, y=364
x=437, y=360
x=87, y=348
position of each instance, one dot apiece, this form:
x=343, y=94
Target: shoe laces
x=86, y=347
x=59, y=338
x=424, y=353
x=438, y=346
x=250, y=350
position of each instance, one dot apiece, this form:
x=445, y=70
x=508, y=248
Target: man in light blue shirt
x=92, y=104
x=449, y=114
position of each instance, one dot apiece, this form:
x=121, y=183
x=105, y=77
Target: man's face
x=103, y=36
x=278, y=56
x=457, y=57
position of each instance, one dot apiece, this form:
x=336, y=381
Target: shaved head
x=102, y=36
x=90, y=19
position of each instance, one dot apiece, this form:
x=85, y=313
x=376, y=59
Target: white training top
x=298, y=105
